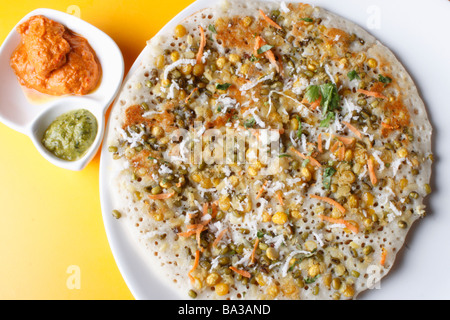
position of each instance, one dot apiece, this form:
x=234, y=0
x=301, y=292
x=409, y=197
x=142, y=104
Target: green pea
x=367, y=250
x=315, y=290
x=156, y=190
x=224, y=261
x=165, y=183
x=112, y=149
x=309, y=73
x=192, y=294
x=362, y=102
x=402, y=224
x=413, y=195
x=201, y=166
x=116, y=214
x=355, y=273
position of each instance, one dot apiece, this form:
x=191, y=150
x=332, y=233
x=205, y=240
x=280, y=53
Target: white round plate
x=33, y=116
x=416, y=32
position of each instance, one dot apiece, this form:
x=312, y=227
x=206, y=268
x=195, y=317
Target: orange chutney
x=53, y=60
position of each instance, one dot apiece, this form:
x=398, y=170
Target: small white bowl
x=32, y=117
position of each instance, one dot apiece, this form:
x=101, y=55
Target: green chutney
x=71, y=134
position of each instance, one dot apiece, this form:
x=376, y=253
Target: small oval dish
x=30, y=115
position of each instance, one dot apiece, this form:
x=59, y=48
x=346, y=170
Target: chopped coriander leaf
x=327, y=174
x=325, y=123
x=383, y=79
x=264, y=48
x=212, y=28
x=299, y=258
x=253, y=58
x=223, y=86
x=249, y=123
x=312, y=93
x=299, y=130
x=330, y=97
x=310, y=280
x=283, y=155
x=305, y=163
x=328, y=92
x=352, y=75
x=307, y=19
x=259, y=234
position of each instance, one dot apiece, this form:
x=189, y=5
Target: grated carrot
x=347, y=224
x=335, y=146
x=345, y=140
x=383, y=256
x=241, y=272
x=280, y=65
x=372, y=175
x=197, y=259
x=254, y=250
x=219, y=237
x=259, y=42
x=269, y=21
x=187, y=233
x=191, y=215
x=198, y=231
x=319, y=142
x=329, y=201
x=387, y=126
x=341, y=152
x=316, y=103
x=205, y=208
x=161, y=196
x=190, y=95
x=260, y=192
x=313, y=105
x=301, y=155
x=213, y=209
x=353, y=129
x=192, y=226
x=372, y=94
x=202, y=45
x=280, y=197
x=271, y=57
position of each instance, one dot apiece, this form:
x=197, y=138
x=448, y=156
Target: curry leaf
x=264, y=48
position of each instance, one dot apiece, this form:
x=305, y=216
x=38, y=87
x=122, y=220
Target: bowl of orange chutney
x=54, y=66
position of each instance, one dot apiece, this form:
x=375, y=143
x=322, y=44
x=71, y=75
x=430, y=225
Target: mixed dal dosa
x=326, y=171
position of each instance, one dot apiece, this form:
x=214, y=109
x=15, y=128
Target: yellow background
x=50, y=218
